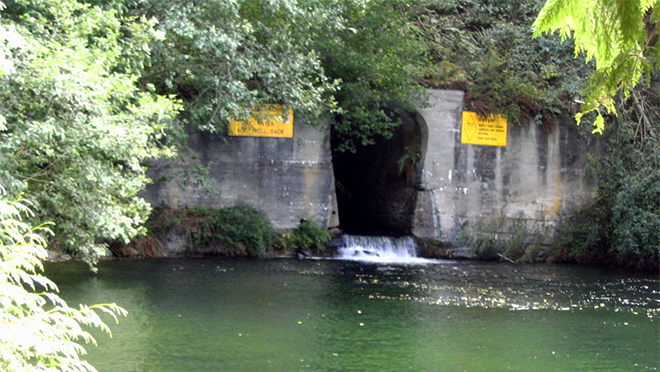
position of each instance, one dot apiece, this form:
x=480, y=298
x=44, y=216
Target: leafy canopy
x=86, y=90
x=225, y=57
x=619, y=35
x=319, y=57
x=378, y=60
x=76, y=128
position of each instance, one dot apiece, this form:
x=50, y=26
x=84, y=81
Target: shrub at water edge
x=236, y=231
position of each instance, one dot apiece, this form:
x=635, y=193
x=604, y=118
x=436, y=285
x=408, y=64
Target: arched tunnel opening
x=377, y=186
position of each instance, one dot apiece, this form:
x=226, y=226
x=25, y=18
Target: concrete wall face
x=288, y=179
x=538, y=175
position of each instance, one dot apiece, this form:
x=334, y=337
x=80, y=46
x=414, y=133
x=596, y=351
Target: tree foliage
x=620, y=36
x=622, y=225
x=38, y=330
x=225, y=57
x=378, y=60
x=347, y=57
x=76, y=129
x=85, y=89
x=483, y=47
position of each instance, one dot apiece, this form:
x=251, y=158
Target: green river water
x=287, y=315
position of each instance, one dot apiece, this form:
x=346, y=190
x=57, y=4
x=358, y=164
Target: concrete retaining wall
x=538, y=174
x=288, y=179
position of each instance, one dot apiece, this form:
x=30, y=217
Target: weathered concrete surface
x=537, y=175
x=288, y=179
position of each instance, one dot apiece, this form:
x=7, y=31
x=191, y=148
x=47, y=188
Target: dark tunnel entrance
x=376, y=186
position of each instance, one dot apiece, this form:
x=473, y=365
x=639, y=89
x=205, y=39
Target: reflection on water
x=318, y=315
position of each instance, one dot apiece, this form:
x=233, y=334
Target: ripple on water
x=327, y=315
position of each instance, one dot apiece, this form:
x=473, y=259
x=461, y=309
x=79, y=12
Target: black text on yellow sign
x=268, y=122
x=479, y=130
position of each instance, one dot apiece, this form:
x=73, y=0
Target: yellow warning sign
x=478, y=130
x=270, y=121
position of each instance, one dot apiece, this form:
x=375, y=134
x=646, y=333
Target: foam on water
x=381, y=249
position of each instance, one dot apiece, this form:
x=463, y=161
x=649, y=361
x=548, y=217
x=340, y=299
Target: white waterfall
x=380, y=249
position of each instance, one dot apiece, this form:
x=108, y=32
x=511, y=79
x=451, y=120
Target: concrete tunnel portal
x=377, y=186
x=424, y=181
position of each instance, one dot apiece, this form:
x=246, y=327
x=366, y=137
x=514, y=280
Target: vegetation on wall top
x=486, y=49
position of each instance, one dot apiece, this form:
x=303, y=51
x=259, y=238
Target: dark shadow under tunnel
x=376, y=185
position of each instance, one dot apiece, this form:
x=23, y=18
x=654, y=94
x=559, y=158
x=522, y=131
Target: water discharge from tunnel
x=381, y=249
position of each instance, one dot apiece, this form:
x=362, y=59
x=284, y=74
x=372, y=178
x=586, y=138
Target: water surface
x=285, y=315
